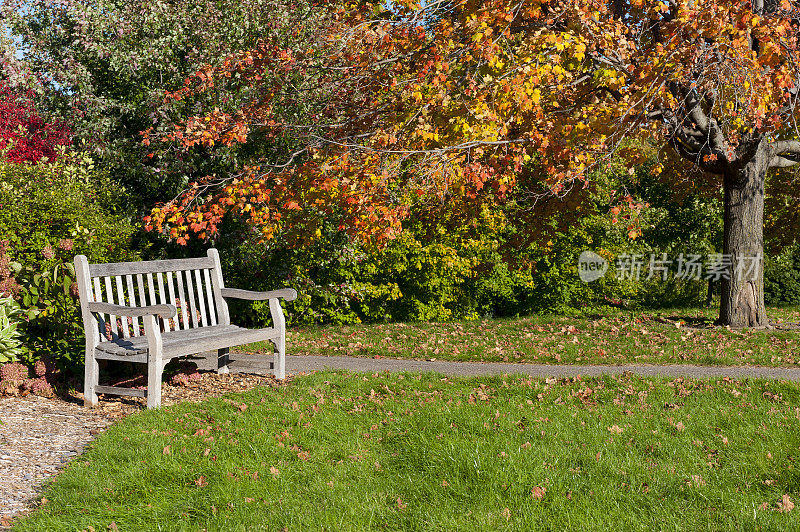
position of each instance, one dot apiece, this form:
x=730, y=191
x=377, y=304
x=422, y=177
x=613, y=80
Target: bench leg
x=223, y=359
x=279, y=322
x=279, y=364
x=155, y=364
x=154, y=368
x=91, y=378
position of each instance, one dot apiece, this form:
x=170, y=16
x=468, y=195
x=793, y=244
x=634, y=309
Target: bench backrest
x=192, y=285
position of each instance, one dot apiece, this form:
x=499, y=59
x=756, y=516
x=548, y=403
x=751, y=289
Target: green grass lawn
x=339, y=451
x=654, y=337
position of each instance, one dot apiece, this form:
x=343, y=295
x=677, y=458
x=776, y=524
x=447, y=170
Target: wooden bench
x=152, y=311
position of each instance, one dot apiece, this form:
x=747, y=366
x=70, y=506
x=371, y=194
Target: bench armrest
x=165, y=311
x=289, y=294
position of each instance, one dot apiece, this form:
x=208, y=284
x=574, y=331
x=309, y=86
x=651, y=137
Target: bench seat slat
x=185, y=342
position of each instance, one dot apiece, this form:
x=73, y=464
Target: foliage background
x=96, y=72
x=52, y=211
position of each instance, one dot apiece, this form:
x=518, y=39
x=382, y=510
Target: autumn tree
x=105, y=65
x=25, y=136
x=466, y=100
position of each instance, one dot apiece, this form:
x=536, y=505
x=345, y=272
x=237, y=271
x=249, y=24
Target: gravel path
x=298, y=364
x=38, y=436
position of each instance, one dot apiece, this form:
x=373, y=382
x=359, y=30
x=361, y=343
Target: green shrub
x=10, y=345
x=437, y=269
x=782, y=277
x=50, y=212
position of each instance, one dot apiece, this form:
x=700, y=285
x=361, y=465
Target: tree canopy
x=104, y=65
x=461, y=99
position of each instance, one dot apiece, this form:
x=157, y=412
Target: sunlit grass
x=683, y=336
x=335, y=451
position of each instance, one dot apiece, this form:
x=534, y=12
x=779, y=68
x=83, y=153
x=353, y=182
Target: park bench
x=150, y=312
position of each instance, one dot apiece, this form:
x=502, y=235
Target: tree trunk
x=742, y=302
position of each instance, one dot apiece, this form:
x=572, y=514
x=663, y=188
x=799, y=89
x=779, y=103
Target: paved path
x=297, y=364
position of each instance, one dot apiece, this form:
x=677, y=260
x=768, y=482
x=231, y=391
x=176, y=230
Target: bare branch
x=782, y=162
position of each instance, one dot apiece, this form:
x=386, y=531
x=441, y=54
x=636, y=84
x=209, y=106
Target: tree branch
x=784, y=153
x=782, y=162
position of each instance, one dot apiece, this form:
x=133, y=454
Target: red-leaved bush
x=21, y=125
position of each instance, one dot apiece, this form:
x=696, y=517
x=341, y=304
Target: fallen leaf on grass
x=506, y=513
x=400, y=504
x=696, y=481
x=274, y=470
x=201, y=482
x=166, y=450
x=680, y=426
x=615, y=429
x=786, y=504
x=538, y=492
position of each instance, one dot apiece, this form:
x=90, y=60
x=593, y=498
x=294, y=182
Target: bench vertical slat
x=170, y=284
x=98, y=297
x=142, y=294
x=201, y=299
x=151, y=289
x=121, y=301
x=111, y=318
x=132, y=299
x=162, y=296
x=223, y=317
x=190, y=295
x=210, y=297
x=182, y=300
